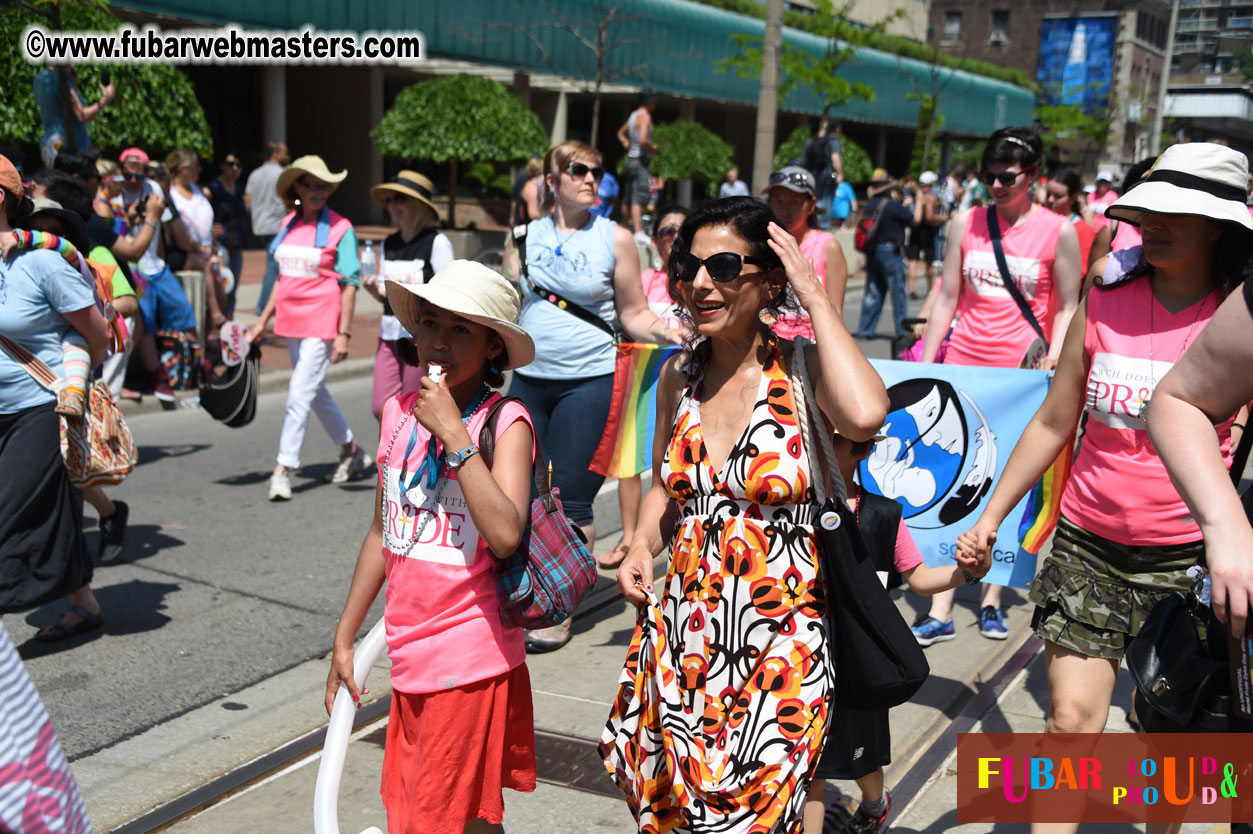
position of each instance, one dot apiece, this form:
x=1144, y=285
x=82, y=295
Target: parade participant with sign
x=1012, y=279
x=1125, y=539
x=461, y=727
x=412, y=255
x=316, y=253
x=740, y=609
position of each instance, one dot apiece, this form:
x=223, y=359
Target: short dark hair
x=273, y=147
x=72, y=194
x=1014, y=145
x=77, y=163
x=1136, y=173
x=646, y=95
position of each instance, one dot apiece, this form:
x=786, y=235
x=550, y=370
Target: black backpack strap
x=994, y=229
x=579, y=312
x=1240, y=457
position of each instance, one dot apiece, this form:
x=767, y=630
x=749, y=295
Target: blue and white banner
x=950, y=429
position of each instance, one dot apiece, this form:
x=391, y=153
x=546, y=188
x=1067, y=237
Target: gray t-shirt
x=267, y=206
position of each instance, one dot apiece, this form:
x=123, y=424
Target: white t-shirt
x=197, y=213
x=150, y=263
x=408, y=272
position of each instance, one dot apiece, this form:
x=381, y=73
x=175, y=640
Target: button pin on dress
x=830, y=520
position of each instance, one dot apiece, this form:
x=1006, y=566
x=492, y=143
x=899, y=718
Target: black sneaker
x=862, y=823
x=113, y=533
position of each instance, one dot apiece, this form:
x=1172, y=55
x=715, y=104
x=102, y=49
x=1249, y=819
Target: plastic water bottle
x=368, y=260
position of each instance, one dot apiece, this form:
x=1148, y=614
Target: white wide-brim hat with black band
x=1199, y=179
x=312, y=165
x=409, y=183
x=475, y=292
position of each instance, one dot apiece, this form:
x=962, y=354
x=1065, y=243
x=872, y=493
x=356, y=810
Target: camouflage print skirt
x=1092, y=594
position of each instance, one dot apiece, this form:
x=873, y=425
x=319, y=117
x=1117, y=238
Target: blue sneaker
x=992, y=623
x=929, y=630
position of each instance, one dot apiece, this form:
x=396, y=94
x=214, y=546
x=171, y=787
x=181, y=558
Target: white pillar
x=561, y=119
x=274, y=103
x=687, y=112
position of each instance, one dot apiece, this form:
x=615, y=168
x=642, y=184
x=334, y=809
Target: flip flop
x=59, y=631
x=607, y=561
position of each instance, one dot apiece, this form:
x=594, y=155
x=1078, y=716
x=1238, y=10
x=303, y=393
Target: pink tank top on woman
x=813, y=247
x=308, y=302
x=1118, y=487
x=990, y=329
x=657, y=294
x=1126, y=237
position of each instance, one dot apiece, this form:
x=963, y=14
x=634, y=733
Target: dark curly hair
x=750, y=219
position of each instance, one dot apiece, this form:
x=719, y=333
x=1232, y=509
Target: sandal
x=59, y=631
x=608, y=560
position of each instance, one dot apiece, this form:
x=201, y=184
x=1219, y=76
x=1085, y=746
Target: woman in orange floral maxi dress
x=722, y=707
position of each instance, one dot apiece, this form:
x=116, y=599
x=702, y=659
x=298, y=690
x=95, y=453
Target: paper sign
x=235, y=344
x=1036, y=352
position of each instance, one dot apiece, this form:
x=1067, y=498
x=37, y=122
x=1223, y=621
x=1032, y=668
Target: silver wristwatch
x=456, y=460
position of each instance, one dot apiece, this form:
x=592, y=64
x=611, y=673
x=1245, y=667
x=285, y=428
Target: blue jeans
x=569, y=416
x=885, y=270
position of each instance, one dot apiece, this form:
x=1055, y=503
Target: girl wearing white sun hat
x=1125, y=538
x=461, y=728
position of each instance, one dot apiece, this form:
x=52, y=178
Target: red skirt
x=450, y=754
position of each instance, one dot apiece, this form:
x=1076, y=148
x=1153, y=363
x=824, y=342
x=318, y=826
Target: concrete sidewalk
x=572, y=690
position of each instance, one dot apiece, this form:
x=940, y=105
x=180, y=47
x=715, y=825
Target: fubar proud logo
x=1105, y=778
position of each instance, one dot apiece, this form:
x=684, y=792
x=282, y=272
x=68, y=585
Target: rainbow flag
x=626, y=448
x=1044, y=504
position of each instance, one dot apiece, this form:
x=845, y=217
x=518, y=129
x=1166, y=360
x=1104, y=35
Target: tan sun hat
x=478, y=293
x=1200, y=179
x=314, y=167
x=411, y=184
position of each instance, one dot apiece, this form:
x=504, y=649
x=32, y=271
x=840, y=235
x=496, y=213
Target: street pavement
x=219, y=619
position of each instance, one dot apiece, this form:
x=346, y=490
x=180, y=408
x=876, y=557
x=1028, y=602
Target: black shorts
x=859, y=742
x=921, y=245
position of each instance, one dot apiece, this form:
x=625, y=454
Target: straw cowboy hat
x=411, y=184
x=474, y=291
x=313, y=166
x=1199, y=179
x=879, y=182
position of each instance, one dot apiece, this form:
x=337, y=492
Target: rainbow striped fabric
x=1044, y=505
x=626, y=448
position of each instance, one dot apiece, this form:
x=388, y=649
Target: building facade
x=1209, y=98
x=1104, y=55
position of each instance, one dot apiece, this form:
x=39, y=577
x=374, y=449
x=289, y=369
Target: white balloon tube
x=335, y=748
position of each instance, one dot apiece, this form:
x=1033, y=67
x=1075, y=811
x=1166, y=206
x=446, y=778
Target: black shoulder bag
x=579, y=312
x=994, y=229
x=878, y=662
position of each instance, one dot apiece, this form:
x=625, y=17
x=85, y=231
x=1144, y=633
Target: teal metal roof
x=670, y=45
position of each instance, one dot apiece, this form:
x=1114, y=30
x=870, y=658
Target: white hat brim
x=1168, y=198
x=404, y=300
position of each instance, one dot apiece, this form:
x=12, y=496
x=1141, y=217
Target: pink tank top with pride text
x=1118, y=487
x=991, y=330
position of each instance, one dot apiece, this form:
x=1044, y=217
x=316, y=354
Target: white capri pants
x=310, y=359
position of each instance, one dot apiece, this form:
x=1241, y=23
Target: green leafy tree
x=688, y=150
x=800, y=68
x=858, y=168
x=459, y=118
x=1066, y=126
x=155, y=108
x=925, y=155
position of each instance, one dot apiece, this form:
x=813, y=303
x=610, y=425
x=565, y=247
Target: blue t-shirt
x=567, y=347
x=605, y=194
x=35, y=289
x=842, y=202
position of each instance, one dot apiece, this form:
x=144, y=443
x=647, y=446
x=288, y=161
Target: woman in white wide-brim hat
x=318, y=275
x=412, y=255
x=461, y=728
x=1125, y=538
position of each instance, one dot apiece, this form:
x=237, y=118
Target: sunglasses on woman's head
x=578, y=170
x=722, y=267
x=1005, y=178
